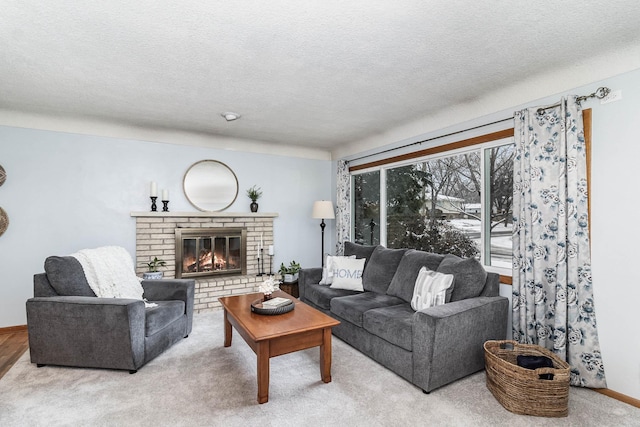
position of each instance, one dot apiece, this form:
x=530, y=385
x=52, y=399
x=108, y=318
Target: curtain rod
x=429, y=139
x=600, y=93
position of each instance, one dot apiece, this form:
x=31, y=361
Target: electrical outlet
x=616, y=95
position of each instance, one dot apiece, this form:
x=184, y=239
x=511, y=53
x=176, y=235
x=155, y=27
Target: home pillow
x=67, y=276
x=470, y=276
x=327, y=270
x=404, y=280
x=380, y=269
x=430, y=289
x=360, y=251
x=347, y=273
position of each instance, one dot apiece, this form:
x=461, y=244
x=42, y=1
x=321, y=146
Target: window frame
x=481, y=142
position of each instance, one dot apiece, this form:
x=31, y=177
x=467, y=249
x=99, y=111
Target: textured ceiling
x=309, y=73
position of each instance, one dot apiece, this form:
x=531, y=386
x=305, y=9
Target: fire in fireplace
x=210, y=252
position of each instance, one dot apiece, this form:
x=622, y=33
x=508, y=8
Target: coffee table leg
x=325, y=356
x=263, y=371
x=227, y=330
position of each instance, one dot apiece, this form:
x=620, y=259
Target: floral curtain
x=552, y=289
x=343, y=206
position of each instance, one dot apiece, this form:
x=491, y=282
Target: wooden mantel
x=200, y=214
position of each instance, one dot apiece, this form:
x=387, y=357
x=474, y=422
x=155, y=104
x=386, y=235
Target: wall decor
x=3, y=175
x=210, y=185
x=4, y=221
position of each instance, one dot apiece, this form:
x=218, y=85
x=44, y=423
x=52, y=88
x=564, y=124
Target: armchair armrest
x=308, y=276
x=448, y=339
x=172, y=289
x=86, y=331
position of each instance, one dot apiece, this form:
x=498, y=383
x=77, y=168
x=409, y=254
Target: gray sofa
x=430, y=348
x=69, y=326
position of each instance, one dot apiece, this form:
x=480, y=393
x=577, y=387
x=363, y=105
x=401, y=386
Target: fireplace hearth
x=202, y=252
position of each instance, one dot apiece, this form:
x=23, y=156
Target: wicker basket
x=520, y=390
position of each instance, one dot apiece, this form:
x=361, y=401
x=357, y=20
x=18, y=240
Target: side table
x=290, y=287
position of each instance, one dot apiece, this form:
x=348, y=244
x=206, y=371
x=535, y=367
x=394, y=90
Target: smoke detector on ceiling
x=229, y=116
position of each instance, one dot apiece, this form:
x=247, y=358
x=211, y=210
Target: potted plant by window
x=289, y=274
x=254, y=194
x=153, y=273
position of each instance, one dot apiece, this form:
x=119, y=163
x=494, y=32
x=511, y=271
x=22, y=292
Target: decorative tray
x=258, y=307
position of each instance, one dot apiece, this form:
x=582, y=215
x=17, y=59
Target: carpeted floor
x=198, y=382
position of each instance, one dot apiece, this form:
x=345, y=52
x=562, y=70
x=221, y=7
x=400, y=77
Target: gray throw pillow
x=67, y=276
x=381, y=268
x=360, y=251
x=469, y=276
x=404, y=280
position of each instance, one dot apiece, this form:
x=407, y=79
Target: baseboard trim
x=12, y=329
x=619, y=396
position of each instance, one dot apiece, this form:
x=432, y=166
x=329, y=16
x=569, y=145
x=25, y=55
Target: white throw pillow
x=327, y=270
x=430, y=289
x=347, y=273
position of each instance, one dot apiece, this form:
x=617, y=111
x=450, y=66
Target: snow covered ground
x=501, y=248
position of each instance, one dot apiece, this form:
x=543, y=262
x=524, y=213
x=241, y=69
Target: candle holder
x=154, y=208
x=270, y=265
x=165, y=207
x=260, y=266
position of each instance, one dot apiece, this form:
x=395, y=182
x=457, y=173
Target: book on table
x=276, y=302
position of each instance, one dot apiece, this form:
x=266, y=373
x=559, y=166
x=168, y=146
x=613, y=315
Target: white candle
x=154, y=189
x=261, y=240
x=165, y=195
x=271, y=250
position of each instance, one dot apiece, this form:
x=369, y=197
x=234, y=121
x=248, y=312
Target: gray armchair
x=69, y=326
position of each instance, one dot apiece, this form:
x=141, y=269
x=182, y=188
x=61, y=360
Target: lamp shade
x=323, y=209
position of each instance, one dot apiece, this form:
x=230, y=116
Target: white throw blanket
x=110, y=273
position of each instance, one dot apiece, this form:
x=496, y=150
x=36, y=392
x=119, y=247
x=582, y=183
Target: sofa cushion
x=165, y=313
x=67, y=276
x=321, y=295
x=347, y=273
x=404, y=280
x=352, y=307
x=392, y=324
x=360, y=251
x=381, y=268
x=469, y=276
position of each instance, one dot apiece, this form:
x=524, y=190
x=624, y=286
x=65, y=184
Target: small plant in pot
x=289, y=274
x=153, y=273
x=254, y=194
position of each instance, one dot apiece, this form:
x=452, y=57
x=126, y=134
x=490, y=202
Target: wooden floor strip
x=12, y=347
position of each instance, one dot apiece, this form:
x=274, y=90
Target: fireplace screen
x=210, y=251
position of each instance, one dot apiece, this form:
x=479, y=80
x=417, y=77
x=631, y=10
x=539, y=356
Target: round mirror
x=210, y=185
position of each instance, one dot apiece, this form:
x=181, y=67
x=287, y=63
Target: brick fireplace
x=156, y=237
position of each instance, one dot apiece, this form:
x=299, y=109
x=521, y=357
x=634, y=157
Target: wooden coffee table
x=270, y=336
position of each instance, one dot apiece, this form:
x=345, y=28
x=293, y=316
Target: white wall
x=66, y=192
x=614, y=194
x=614, y=235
